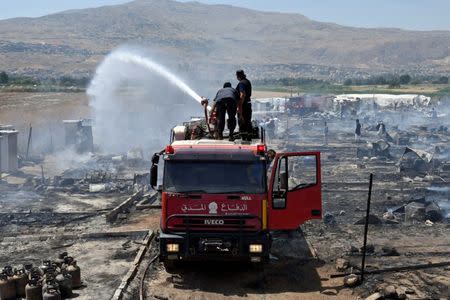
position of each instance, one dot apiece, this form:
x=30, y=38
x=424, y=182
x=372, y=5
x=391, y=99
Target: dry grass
x=405, y=89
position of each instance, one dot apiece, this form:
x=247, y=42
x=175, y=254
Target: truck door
x=294, y=190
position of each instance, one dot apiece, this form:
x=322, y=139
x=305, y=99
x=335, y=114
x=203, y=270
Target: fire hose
x=205, y=105
x=141, y=284
x=211, y=118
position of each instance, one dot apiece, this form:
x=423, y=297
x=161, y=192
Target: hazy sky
x=408, y=14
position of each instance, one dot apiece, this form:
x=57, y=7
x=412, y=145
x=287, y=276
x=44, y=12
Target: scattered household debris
x=78, y=134
x=410, y=196
x=379, y=149
x=415, y=163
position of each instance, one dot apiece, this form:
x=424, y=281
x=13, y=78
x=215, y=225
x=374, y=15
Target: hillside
x=75, y=41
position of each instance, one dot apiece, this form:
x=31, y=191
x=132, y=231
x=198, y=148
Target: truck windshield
x=215, y=177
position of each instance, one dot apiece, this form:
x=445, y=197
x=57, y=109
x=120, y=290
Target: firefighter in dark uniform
x=226, y=101
x=244, y=88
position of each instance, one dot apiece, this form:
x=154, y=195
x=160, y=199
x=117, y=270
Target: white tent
x=385, y=100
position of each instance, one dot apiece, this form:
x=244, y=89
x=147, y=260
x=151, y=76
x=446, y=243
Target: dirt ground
x=296, y=273
x=38, y=224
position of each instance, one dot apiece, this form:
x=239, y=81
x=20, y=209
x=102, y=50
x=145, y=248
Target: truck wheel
x=170, y=265
x=259, y=266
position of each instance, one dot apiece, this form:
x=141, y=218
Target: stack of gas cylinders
x=53, y=280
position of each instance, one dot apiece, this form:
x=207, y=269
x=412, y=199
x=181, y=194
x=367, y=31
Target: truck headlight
x=173, y=247
x=255, y=248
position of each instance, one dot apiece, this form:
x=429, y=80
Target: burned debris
x=97, y=205
x=78, y=134
x=404, y=142
x=63, y=200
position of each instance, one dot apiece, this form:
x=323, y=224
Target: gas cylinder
x=28, y=268
x=7, y=288
x=61, y=259
x=33, y=290
x=64, y=279
x=45, y=265
x=74, y=270
x=20, y=279
x=8, y=270
x=68, y=260
x=51, y=294
x=50, y=282
x=36, y=273
x=51, y=270
x=55, y=267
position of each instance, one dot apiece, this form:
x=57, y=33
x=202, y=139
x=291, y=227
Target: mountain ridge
x=75, y=41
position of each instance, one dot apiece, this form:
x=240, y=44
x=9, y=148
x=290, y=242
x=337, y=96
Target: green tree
x=443, y=80
x=348, y=82
x=405, y=79
x=4, y=78
x=394, y=83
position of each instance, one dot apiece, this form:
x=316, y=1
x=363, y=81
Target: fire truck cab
x=221, y=200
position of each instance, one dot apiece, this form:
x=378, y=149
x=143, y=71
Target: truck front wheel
x=170, y=265
x=258, y=266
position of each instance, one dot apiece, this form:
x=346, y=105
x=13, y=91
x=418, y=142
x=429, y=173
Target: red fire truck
x=221, y=200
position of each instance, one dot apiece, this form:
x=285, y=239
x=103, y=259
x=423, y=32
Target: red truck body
x=219, y=203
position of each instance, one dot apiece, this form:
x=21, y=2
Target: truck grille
x=213, y=223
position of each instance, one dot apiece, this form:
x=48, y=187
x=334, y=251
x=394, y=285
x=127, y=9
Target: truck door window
x=302, y=172
x=280, y=185
x=280, y=182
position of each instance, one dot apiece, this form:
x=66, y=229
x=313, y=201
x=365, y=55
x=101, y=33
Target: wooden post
x=51, y=138
x=29, y=141
x=42, y=174
x=366, y=227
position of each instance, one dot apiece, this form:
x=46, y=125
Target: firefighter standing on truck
x=244, y=88
x=226, y=101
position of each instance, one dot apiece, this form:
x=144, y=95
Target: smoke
x=69, y=159
x=136, y=101
x=439, y=189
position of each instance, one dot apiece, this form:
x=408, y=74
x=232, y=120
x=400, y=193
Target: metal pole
x=42, y=174
x=51, y=138
x=398, y=269
x=366, y=228
x=29, y=141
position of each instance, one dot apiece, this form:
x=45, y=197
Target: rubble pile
x=405, y=145
x=404, y=142
x=100, y=174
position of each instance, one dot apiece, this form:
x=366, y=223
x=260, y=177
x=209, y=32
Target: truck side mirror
x=155, y=159
x=154, y=176
x=283, y=181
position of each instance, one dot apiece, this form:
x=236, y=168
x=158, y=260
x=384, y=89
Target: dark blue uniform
x=226, y=101
x=245, y=126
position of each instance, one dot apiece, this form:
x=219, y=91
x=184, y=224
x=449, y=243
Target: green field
x=327, y=88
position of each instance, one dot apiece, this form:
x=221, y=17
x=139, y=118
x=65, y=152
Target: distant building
x=384, y=100
x=78, y=134
x=8, y=149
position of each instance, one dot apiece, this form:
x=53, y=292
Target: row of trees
x=396, y=80
x=4, y=78
x=392, y=80
x=65, y=81
x=288, y=81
